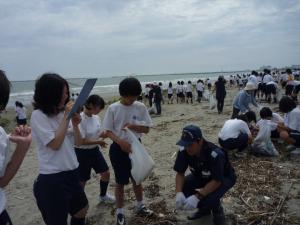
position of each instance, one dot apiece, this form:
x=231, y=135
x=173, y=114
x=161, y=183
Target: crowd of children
x=69, y=150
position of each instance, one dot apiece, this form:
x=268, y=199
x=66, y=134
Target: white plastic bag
x=152, y=110
x=262, y=144
x=205, y=95
x=278, y=94
x=141, y=162
x=212, y=102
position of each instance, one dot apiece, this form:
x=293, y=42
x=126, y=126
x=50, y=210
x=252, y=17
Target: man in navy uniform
x=211, y=175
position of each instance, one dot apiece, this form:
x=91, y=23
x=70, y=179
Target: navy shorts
x=4, y=218
x=170, y=96
x=263, y=87
x=58, y=195
x=21, y=121
x=289, y=89
x=90, y=159
x=189, y=94
x=259, y=87
x=296, y=89
x=121, y=164
x=296, y=136
x=270, y=89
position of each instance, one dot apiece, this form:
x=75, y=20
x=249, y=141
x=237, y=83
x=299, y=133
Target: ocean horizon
x=108, y=86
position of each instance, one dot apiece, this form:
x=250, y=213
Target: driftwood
x=281, y=204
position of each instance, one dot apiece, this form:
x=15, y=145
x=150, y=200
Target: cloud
x=145, y=36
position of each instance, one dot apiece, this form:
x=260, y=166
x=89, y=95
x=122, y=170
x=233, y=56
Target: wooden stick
x=281, y=204
x=246, y=203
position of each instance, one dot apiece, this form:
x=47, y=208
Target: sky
x=84, y=38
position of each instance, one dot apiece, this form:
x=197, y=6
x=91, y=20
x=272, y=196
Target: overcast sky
x=80, y=38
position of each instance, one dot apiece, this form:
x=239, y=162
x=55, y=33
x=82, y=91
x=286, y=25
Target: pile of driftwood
x=258, y=196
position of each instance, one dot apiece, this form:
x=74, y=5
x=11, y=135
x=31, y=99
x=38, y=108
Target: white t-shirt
x=170, y=90
x=276, y=118
x=284, y=77
x=267, y=78
x=180, y=88
x=200, y=87
x=147, y=89
x=43, y=131
x=232, y=129
x=21, y=113
x=189, y=88
x=253, y=80
x=4, y=147
x=292, y=119
x=259, y=79
x=117, y=115
x=90, y=128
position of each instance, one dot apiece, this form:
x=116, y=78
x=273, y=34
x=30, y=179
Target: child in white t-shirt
x=290, y=131
x=200, y=89
x=88, y=154
x=21, y=113
x=170, y=93
x=21, y=136
x=57, y=188
x=267, y=114
x=189, y=92
x=267, y=128
x=134, y=115
x=235, y=134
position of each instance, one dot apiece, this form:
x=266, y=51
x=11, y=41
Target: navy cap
x=190, y=134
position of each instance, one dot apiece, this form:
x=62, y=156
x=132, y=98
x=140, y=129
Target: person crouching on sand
x=211, y=175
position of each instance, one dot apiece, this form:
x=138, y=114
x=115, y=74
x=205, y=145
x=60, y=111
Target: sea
x=108, y=86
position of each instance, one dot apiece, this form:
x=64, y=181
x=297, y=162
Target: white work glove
x=191, y=203
x=180, y=199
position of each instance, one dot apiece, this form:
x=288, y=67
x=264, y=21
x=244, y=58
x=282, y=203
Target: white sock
x=120, y=211
x=139, y=204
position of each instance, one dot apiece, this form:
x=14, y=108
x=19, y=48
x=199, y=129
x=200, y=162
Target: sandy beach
x=262, y=183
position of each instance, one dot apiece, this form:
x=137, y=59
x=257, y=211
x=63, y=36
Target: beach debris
x=258, y=192
x=161, y=215
x=173, y=155
x=151, y=190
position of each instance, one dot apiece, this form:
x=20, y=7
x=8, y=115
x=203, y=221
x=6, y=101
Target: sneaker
x=296, y=151
x=240, y=154
x=144, y=211
x=121, y=219
x=199, y=214
x=110, y=199
x=218, y=215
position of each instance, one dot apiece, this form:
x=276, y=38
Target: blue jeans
x=211, y=200
x=241, y=142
